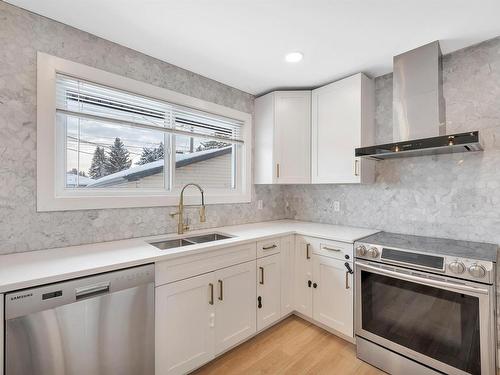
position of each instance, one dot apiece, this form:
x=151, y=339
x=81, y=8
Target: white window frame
x=51, y=196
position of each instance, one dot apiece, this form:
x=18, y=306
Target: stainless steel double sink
x=179, y=242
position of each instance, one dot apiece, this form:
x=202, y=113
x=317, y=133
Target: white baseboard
x=350, y=339
x=246, y=339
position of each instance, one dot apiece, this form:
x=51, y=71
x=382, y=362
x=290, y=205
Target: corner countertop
x=28, y=269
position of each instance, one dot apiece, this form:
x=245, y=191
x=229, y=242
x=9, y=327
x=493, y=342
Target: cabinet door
x=185, y=318
x=341, y=118
x=268, y=290
x=333, y=295
x=303, y=276
x=264, y=154
x=292, y=136
x=235, y=298
x=287, y=274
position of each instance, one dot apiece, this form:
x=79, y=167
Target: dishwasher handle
x=45, y=297
x=92, y=290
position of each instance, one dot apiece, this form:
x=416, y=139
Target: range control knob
x=361, y=250
x=457, y=267
x=477, y=270
x=373, y=252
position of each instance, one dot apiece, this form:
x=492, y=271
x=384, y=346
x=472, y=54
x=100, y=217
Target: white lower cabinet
x=324, y=285
x=303, y=277
x=287, y=274
x=268, y=290
x=333, y=294
x=185, y=325
x=200, y=317
x=235, y=305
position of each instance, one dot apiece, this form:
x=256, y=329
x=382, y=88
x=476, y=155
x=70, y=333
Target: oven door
x=447, y=325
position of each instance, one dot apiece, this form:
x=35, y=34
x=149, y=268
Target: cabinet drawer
x=332, y=249
x=268, y=247
x=192, y=265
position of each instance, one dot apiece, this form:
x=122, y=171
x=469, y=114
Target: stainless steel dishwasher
x=97, y=325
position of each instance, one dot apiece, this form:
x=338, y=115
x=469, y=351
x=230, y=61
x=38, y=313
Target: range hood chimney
x=418, y=103
x=419, y=124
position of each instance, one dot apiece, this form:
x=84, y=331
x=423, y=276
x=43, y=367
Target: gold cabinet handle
x=221, y=291
x=261, y=275
x=308, y=252
x=356, y=162
x=211, y=300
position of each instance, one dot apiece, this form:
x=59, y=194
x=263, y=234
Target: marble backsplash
x=22, y=34
x=454, y=196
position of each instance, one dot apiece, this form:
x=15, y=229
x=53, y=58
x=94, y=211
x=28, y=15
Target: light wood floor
x=293, y=346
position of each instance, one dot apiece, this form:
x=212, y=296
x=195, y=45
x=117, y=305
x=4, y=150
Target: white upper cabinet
x=303, y=138
x=283, y=138
x=342, y=120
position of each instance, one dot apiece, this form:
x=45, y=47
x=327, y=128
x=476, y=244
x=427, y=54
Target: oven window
x=438, y=323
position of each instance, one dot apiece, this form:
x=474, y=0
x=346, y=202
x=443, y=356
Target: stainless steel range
x=425, y=305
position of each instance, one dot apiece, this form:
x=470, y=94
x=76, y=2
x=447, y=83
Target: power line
x=113, y=138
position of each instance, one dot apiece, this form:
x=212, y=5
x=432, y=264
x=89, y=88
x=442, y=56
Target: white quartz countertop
x=24, y=270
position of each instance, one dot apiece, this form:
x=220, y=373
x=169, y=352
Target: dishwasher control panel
x=27, y=301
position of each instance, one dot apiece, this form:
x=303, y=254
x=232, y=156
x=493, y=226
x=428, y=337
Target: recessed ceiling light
x=293, y=57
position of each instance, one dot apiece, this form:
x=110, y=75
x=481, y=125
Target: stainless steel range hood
x=419, y=123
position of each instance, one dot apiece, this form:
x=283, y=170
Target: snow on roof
x=103, y=181
x=182, y=160
x=71, y=180
x=136, y=172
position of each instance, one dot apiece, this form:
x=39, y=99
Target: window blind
x=88, y=100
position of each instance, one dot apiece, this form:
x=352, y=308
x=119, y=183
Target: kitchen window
x=118, y=142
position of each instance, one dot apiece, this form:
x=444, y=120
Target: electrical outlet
x=336, y=206
x=260, y=204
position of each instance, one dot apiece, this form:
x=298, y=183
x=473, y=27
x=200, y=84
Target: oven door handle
x=423, y=280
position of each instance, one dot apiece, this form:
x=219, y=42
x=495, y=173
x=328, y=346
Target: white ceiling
x=242, y=43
